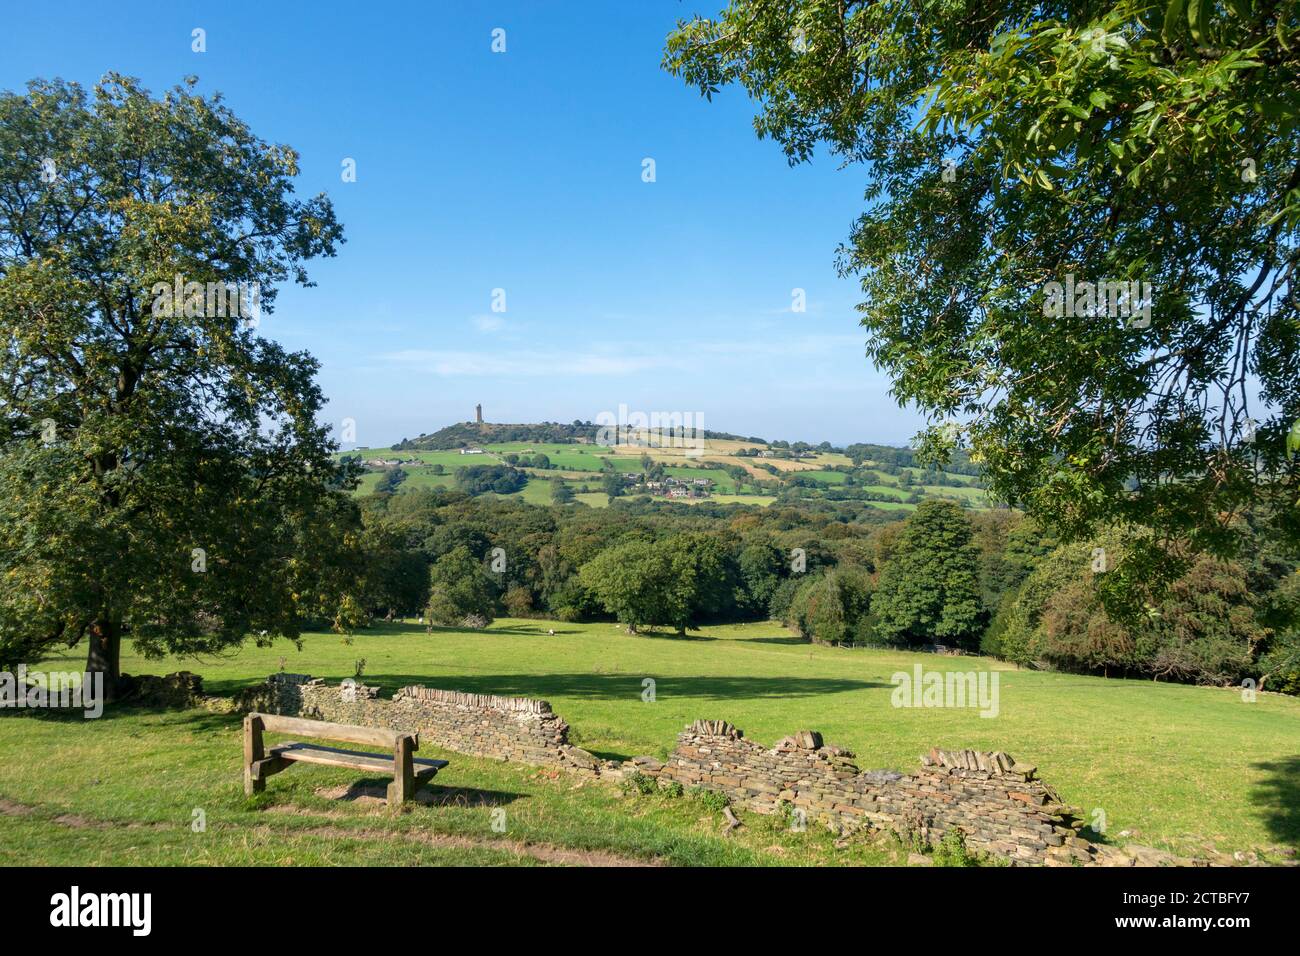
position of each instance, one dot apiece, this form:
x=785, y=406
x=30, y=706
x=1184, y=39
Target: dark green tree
x=762, y=567
x=929, y=591
x=703, y=582
x=634, y=581
x=611, y=483
x=1019, y=154
x=459, y=587
x=561, y=493
x=163, y=475
x=389, y=480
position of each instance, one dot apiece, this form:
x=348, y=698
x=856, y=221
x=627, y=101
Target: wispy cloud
x=611, y=359
x=517, y=364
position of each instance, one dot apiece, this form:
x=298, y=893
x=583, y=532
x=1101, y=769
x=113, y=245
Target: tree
x=459, y=588
x=702, y=579
x=390, y=479
x=634, y=582
x=163, y=476
x=482, y=479
x=833, y=607
x=561, y=493
x=611, y=483
x=396, y=579
x=762, y=566
x=1140, y=158
x=930, y=588
x=1206, y=628
x=518, y=601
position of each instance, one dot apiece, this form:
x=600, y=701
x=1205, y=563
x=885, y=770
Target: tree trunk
x=104, y=654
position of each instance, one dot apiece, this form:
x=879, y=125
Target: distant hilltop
x=488, y=433
x=475, y=434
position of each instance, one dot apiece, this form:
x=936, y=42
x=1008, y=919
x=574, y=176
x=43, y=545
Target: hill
x=721, y=468
x=462, y=434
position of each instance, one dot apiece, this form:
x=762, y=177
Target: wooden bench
x=407, y=770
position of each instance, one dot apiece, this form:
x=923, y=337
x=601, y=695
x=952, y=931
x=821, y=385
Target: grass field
x=581, y=464
x=1183, y=768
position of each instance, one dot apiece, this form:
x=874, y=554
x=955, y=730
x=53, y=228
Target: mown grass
x=131, y=788
x=1180, y=767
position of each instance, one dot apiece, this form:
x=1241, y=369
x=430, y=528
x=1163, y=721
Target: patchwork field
x=1178, y=767
x=580, y=466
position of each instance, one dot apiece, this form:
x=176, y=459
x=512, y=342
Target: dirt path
x=544, y=852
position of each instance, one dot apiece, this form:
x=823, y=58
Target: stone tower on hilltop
x=478, y=414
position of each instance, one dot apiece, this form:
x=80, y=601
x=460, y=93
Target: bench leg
x=253, y=752
x=403, y=786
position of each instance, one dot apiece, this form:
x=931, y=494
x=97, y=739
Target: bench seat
x=354, y=759
x=261, y=762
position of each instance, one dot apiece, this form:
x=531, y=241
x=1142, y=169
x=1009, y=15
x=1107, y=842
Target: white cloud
x=611, y=359
x=528, y=364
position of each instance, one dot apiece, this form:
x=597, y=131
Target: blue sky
x=520, y=171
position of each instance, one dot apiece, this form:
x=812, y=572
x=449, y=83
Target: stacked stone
x=991, y=762
x=476, y=701
x=502, y=728
x=997, y=803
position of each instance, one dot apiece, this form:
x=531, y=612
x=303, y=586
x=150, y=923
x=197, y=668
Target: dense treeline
x=837, y=573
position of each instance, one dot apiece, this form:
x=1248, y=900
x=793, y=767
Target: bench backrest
x=301, y=727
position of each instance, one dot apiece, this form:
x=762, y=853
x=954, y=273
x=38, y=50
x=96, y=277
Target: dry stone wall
x=1001, y=806
x=519, y=729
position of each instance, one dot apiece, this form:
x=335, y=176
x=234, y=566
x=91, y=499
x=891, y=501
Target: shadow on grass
x=191, y=720
x=427, y=795
x=773, y=640
x=1277, y=798
x=420, y=630
x=623, y=686
x=615, y=755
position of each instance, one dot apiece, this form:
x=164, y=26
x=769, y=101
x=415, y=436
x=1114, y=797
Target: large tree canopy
x=162, y=471
x=931, y=587
x=1016, y=151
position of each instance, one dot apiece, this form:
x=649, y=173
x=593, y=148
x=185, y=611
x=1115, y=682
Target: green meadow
x=1189, y=769
x=579, y=465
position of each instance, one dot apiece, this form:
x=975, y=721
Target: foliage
x=715, y=801
x=395, y=580
x=561, y=493
x=1205, y=629
x=930, y=590
x=676, y=568
x=638, y=783
x=951, y=850
x=481, y=479
x=1014, y=146
x=459, y=587
x=162, y=471
x=390, y=480
x=833, y=607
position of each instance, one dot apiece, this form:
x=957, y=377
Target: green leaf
x=1173, y=19
x=1194, y=21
